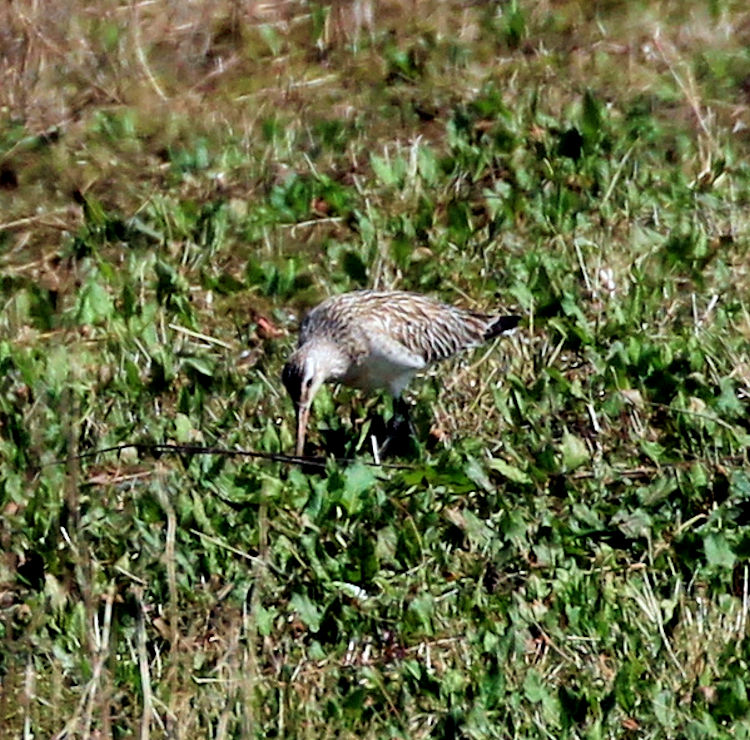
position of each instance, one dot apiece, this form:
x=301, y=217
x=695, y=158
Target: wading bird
x=379, y=339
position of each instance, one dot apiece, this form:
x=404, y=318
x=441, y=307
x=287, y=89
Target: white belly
x=385, y=367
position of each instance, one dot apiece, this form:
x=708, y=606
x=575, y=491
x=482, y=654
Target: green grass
x=566, y=553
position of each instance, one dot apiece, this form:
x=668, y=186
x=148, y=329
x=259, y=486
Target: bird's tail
x=501, y=325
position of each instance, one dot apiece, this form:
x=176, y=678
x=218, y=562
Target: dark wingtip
x=503, y=325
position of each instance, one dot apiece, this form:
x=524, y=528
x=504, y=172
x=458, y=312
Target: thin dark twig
x=156, y=448
x=320, y=462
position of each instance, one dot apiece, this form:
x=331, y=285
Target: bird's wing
x=425, y=329
x=417, y=328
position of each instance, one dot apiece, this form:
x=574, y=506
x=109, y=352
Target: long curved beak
x=303, y=414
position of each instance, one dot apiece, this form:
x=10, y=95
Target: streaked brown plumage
x=379, y=339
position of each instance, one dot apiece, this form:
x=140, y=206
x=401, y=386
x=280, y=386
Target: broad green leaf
x=633, y=524
x=479, y=533
x=587, y=515
x=591, y=117
x=264, y=618
x=718, y=552
x=58, y=368
x=270, y=438
x=203, y=366
x=389, y=171
x=387, y=541
x=94, y=304
x=427, y=164
x=741, y=484
x=357, y=479
x=423, y=606
x=533, y=686
x=513, y=525
x=664, y=710
x=477, y=474
x=653, y=449
x=574, y=451
x=183, y=428
x=307, y=611
x=511, y=472
x=728, y=404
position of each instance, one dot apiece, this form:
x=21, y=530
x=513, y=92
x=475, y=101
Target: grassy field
x=565, y=551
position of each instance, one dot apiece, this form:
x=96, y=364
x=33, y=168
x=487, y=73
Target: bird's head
x=307, y=368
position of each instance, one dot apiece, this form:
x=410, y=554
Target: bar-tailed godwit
x=379, y=339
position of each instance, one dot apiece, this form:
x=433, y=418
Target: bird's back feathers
x=424, y=328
